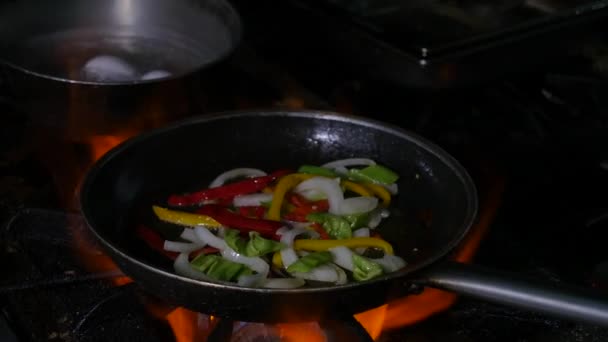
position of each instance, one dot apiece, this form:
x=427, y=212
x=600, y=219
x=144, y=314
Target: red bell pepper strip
x=154, y=241
x=319, y=229
x=227, y=191
x=303, y=207
x=253, y=211
x=226, y=217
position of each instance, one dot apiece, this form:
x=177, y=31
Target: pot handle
x=556, y=299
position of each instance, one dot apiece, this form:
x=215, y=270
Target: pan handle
x=559, y=300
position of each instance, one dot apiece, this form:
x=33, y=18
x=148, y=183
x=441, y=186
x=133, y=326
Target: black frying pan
x=186, y=155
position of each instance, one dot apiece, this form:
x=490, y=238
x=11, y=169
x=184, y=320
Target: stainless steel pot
x=47, y=48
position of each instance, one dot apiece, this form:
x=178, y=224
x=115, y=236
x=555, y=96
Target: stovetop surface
x=543, y=134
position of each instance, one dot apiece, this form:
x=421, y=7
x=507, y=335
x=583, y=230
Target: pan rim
x=419, y=140
x=236, y=38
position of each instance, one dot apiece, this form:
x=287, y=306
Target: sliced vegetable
x=329, y=187
x=236, y=173
x=251, y=200
x=249, y=210
x=153, y=240
x=340, y=165
x=255, y=246
x=319, y=229
x=375, y=174
x=253, y=211
x=323, y=245
x=227, y=191
x=356, y=188
x=219, y=268
x=357, y=205
x=317, y=170
x=310, y=261
x=184, y=218
x=328, y=273
x=357, y=221
x=284, y=184
x=245, y=224
x=365, y=269
x=390, y=263
x=336, y=226
x=380, y=192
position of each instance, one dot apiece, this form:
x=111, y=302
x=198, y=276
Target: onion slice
x=358, y=205
x=181, y=247
x=390, y=263
x=257, y=264
x=324, y=273
x=361, y=232
x=203, y=235
x=181, y=265
x=340, y=165
x=251, y=200
x=343, y=257
x=330, y=187
x=234, y=173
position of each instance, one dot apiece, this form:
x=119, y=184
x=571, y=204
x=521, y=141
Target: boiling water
x=119, y=55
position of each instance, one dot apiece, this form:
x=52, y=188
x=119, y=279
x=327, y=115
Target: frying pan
x=188, y=154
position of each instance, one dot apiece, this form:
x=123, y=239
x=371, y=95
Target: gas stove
x=535, y=143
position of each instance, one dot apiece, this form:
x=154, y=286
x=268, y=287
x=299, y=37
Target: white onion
x=343, y=257
x=312, y=195
x=251, y=200
x=330, y=187
x=340, y=166
x=283, y=283
x=288, y=236
x=188, y=234
x=203, y=235
x=252, y=280
x=377, y=217
x=288, y=256
x=358, y=205
x=181, y=265
x=257, y=264
x=390, y=263
x=181, y=247
x=342, y=277
x=324, y=273
x=361, y=232
x=234, y=173
x=282, y=230
x=392, y=188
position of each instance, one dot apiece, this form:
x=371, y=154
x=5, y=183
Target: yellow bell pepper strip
x=380, y=192
x=356, y=188
x=323, y=245
x=284, y=184
x=184, y=218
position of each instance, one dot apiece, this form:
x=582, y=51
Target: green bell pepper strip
x=317, y=170
x=374, y=174
x=337, y=227
x=365, y=269
x=255, y=246
x=308, y=262
x=219, y=268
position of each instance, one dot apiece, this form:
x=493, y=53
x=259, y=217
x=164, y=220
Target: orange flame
x=189, y=326
x=94, y=260
x=415, y=308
